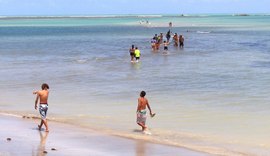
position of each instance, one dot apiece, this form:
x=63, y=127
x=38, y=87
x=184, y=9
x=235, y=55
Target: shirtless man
x=131, y=53
x=42, y=97
x=141, y=111
x=175, y=39
x=181, y=41
x=165, y=44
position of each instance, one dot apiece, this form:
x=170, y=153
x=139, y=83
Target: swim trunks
x=181, y=44
x=43, y=108
x=165, y=48
x=141, y=116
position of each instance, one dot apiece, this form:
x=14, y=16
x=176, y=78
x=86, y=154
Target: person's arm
x=36, y=100
x=148, y=106
x=138, y=107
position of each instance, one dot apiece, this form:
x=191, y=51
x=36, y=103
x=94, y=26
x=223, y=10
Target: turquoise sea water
x=211, y=96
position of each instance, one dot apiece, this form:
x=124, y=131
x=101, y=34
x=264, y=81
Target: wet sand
x=64, y=139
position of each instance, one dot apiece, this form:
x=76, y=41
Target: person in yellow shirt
x=137, y=54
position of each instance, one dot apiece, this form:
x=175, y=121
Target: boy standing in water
x=42, y=97
x=165, y=44
x=137, y=54
x=141, y=111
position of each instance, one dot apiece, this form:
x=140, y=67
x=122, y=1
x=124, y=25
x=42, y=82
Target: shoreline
x=64, y=139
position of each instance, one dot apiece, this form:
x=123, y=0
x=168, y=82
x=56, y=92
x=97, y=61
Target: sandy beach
x=66, y=139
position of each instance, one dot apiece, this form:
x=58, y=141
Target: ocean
x=211, y=96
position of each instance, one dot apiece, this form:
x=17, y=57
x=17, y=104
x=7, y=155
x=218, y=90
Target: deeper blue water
x=211, y=96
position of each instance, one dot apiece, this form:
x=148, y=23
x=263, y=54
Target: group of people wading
x=157, y=40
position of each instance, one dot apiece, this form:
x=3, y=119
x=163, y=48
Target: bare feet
x=144, y=128
x=146, y=131
x=39, y=127
x=47, y=130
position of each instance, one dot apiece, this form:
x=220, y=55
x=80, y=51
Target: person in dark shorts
x=181, y=41
x=165, y=44
x=137, y=54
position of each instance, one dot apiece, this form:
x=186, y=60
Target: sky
x=105, y=7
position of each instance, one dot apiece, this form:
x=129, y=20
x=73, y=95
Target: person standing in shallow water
x=165, y=44
x=175, y=39
x=141, y=111
x=170, y=24
x=137, y=53
x=168, y=36
x=42, y=97
x=181, y=41
x=131, y=53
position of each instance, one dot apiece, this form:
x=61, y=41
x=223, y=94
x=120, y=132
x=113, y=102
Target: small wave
x=81, y=61
x=10, y=114
x=100, y=59
x=203, y=32
x=185, y=140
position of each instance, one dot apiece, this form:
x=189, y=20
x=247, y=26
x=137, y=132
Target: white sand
x=69, y=140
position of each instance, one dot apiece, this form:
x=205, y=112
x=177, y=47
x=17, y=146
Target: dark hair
x=143, y=93
x=136, y=48
x=45, y=85
x=132, y=46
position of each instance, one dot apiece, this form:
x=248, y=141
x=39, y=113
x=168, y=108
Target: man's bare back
x=142, y=103
x=141, y=111
x=43, y=96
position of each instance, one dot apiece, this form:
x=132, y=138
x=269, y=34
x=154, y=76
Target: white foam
x=203, y=32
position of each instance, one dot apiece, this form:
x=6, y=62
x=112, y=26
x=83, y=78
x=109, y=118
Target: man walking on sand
x=42, y=97
x=141, y=111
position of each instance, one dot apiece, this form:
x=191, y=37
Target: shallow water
x=210, y=96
